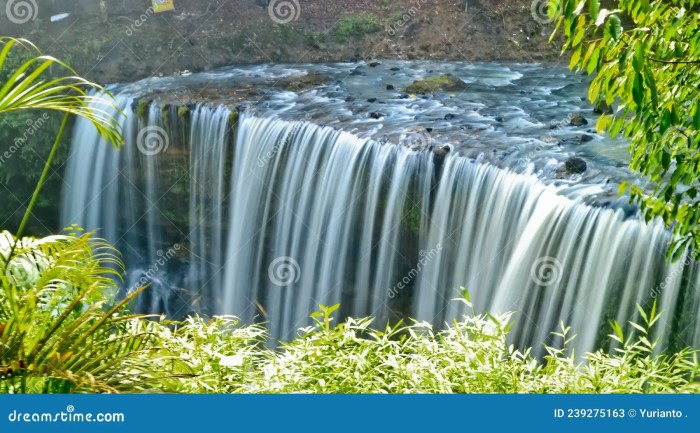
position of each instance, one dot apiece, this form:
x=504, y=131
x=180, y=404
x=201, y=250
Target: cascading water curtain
x=272, y=221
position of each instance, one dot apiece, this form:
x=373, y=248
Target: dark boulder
x=439, y=83
x=602, y=107
x=577, y=119
x=573, y=165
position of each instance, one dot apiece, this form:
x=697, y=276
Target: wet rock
x=429, y=129
x=310, y=80
x=439, y=155
x=602, y=107
x=498, y=119
x=371, y=100
x=349, y=99
x=449, y=116
x=442, y=151
x=375, y=115
x=395, y=68
x=404, y=96
x=577, y=119
x=438, y=83
x=374, y=64
x=573, y=165
x=585, y=138
x=357, y=71
x=390, y=87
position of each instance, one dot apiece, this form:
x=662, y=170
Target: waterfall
x=160, y=200
x=518, y=245
x=270, y=221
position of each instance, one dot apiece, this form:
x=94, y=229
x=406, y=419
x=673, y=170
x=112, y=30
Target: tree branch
x=674, y=62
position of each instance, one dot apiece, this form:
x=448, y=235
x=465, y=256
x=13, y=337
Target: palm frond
x=31, y=87
x=62, y=326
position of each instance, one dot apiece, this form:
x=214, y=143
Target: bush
x=356, y=26
x=60, y=330
x=471, y=356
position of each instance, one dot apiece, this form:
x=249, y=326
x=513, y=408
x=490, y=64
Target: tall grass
x=470, y=356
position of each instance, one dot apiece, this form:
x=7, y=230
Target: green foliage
x=32, y=92
x=60, y=334
x=142, y=108
x=29, y=87
x=471, y=356
x=209, y=356
x=356, y=26
x=183, y=111
x=651, y=70
x=59, y=329
x=25, y=137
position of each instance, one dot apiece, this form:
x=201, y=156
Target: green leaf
x=575, y=58
x=638, y=90
x=622, y=188
x=594, y=9
x=665, y=160
x=614, y=26
x=593, y=62
x=618, y=330
x=665, y=121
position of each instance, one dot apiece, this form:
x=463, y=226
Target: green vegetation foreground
x=62, y=332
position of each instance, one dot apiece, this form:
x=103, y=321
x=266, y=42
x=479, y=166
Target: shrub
x=470, y=356
x=356, y=26
x=60, y=328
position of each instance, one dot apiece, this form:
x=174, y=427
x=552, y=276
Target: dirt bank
x=127, y=41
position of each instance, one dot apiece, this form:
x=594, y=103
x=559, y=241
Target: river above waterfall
x=515, y=116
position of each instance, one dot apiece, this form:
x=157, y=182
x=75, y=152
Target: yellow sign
x=163, y=5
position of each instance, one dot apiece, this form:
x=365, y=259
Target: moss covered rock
x=438, y=83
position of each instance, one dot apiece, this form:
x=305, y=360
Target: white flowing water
x=517, y=245
x=290, y=215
